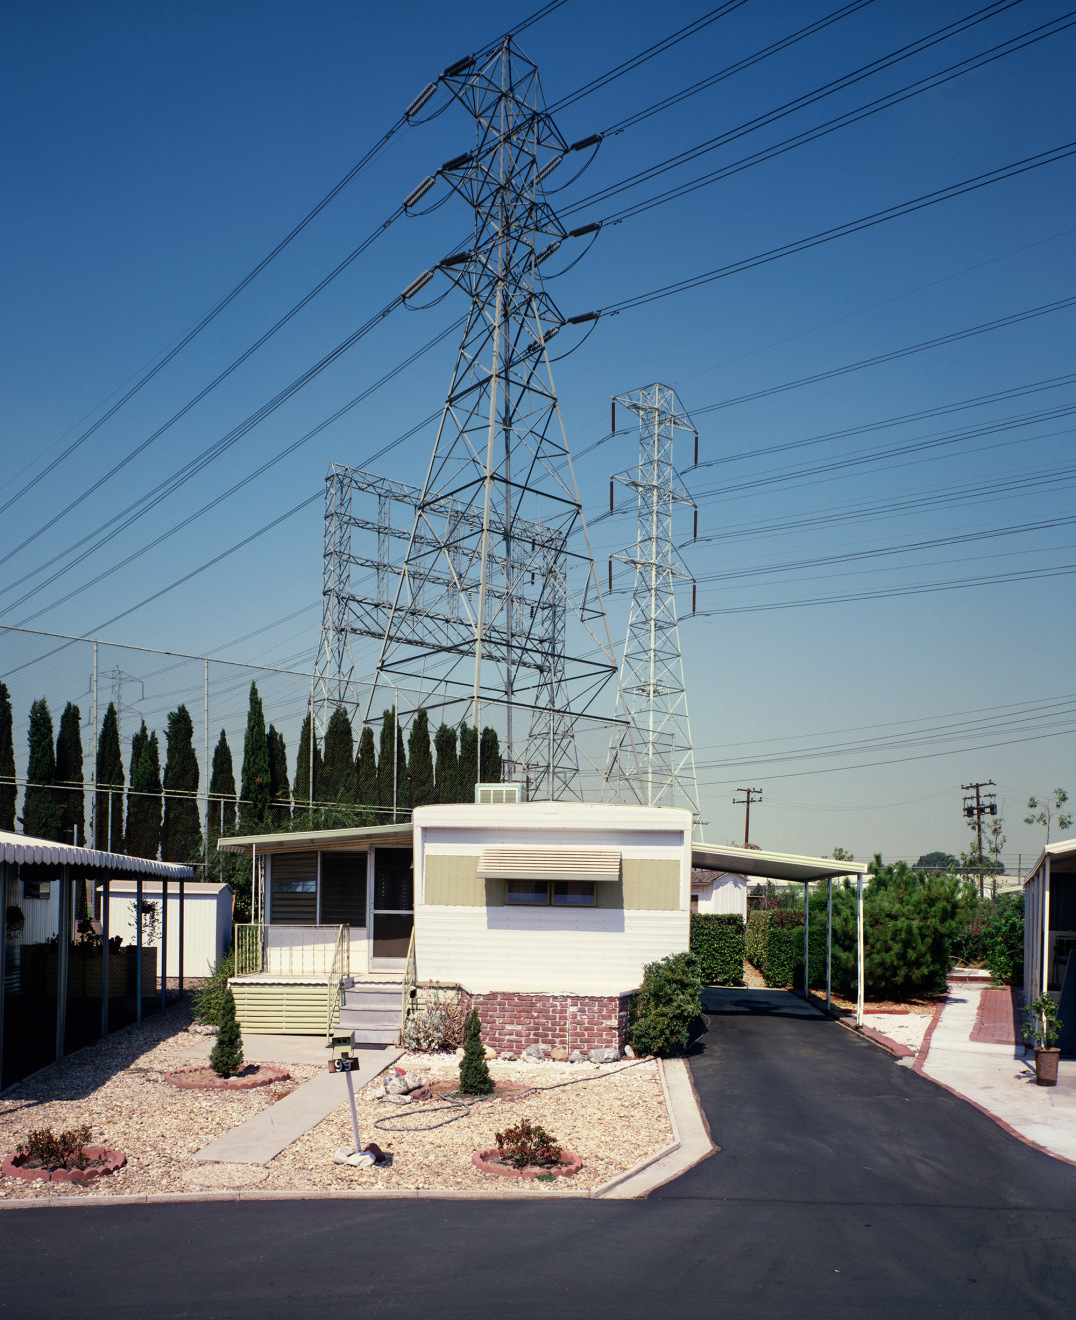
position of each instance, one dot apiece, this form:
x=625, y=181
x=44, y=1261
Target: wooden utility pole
x=976, y=811
x=749, y=795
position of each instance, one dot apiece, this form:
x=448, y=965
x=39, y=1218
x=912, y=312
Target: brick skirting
x=512, y=1020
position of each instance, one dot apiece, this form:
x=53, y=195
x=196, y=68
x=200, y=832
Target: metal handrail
x=283, y=950
x=334, y=989
x=409, y=984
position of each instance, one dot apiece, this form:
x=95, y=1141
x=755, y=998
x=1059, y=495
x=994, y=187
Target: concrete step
x=361, y=1016
x=375, y=1035
x=373, y=996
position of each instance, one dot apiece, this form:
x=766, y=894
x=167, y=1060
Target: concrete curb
x=876, y=1037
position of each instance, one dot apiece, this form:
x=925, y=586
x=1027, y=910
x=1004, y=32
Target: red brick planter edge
x=185, y=1082
x=116, y=1159
x=480, y=1159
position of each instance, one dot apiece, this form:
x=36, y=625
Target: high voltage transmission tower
x=492, y=600
x=652, y=673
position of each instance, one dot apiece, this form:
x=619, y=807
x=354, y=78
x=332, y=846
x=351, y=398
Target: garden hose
x=461, y=1107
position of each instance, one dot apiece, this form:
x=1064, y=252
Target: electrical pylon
x=652, y=673
x=499, y=512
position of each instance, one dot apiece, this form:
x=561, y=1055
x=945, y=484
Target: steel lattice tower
x=652, y=673
x=496, y=601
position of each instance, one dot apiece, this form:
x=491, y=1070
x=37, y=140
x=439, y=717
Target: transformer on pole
x=652, y=674
x=495, y=601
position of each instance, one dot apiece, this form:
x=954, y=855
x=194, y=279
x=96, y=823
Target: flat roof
x=1064, y=850
x=771, y=865
x=302, y=840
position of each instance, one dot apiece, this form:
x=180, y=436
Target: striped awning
x=27, y=851
x=549, y=863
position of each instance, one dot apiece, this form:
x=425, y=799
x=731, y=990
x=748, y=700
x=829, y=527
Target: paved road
x=846, y=1186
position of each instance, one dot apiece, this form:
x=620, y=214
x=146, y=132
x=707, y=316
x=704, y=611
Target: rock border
x=13, y=1167
x=481, y=1160
x=183, y=1079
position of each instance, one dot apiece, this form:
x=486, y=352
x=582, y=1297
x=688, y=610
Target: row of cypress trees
x=162, y=816
x=361, y=784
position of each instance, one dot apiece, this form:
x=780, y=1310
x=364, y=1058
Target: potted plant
x=1042, y=1028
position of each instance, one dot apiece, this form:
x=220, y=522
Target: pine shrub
x=474, y=1072
x=667, y=1005
x=717, y=941
x=208, y=1002
x=227, y=1056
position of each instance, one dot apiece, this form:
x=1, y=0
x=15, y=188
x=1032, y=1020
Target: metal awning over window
x=549, y=864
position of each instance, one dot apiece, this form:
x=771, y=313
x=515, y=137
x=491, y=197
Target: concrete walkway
x=999, y=1079
x=264, y=1136
x=270, y=1049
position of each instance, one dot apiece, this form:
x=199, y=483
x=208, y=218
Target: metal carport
x=797, y=870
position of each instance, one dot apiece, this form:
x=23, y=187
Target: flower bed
x=493, y=1161
x=248, y=1078
x=100, y=1161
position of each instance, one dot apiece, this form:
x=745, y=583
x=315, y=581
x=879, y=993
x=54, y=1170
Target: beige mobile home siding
x=646, y=885
x=552, y=950
x=453, y=882
x=279, y=1008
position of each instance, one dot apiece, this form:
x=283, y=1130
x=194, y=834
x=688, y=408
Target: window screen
x=293, y=899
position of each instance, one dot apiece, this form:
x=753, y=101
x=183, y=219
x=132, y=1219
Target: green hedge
x=666, y=1005
x=717, y=941
x=758, y=926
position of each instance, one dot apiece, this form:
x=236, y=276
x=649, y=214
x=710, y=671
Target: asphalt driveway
x=846, y=1186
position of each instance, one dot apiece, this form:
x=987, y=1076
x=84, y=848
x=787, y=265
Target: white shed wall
x=727, y=893
x=207, y=927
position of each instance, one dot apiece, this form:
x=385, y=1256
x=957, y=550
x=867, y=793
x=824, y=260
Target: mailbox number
x=342, y=1065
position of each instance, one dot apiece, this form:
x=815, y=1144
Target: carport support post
x=63, y=948
x=106, y=957
x=181, y=884
x=860, y=979
x=164, y=941
x=806, y=943
x=3, y=966
x=138, y=948
x=829, y=937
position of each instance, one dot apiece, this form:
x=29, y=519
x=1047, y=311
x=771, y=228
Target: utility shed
x=207, y=921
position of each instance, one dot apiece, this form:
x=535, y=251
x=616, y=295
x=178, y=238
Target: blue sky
x=154, y=154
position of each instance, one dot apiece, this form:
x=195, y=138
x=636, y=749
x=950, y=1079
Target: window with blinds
x=293, y=890
x=343, y=889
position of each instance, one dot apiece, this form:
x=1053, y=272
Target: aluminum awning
x=549, y=863
x=28, y=851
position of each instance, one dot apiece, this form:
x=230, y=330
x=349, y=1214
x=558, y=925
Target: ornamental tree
x=8, y=789
x=254, y=790
x=70, y=796
x=227, y=1055
x=420, y=760
x=40, y=816
x=339, y=778
x=447, y=782
x=181, y=830
x=367, y=791
x=144, y=797
x=279, y=788
x=474, y=1071
x=221, y=792
x=307, y=790
x=108, y=804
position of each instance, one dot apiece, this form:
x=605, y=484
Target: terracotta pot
x=481, y=1159
x=1046, y=1066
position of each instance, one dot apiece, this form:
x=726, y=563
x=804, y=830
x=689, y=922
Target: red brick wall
x=512, y=1021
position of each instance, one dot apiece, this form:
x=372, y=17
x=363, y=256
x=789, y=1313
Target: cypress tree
x=474, y=1071
x=420, y=760
x=366, y=772
x=221, y=793
x=40, y=816
x=386, y=762
x=279, y=788
x=490, y=762
x=108, y=807
x=468, y=762
x=305, y=795
x=447, y=785
x=254, y=786
x=70, y=798
x=144, y=797
x=8, y=789
x=181, y=831
x=227, y=1055
x=338, y=771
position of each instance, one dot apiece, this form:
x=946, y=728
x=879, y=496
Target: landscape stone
x=396, y=1085
x=577, y=1056
x=629, y=1053
x=398, y=1099
x=607, y=1055
x=534, y=1052
x=559, y=1054
x=491, y=1053
x=508, y=1056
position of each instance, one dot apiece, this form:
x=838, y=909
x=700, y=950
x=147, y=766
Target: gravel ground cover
x=613, y=1119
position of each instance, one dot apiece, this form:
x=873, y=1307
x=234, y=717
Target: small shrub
x=227, y=1056
x=717, y=941
x=474, y=1072
x=65, y=1151
x=666, y=1005
x=209, y=1001
x=438, y=1024
x=528, y=1146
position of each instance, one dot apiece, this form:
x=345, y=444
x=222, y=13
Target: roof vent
x=484, y=793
